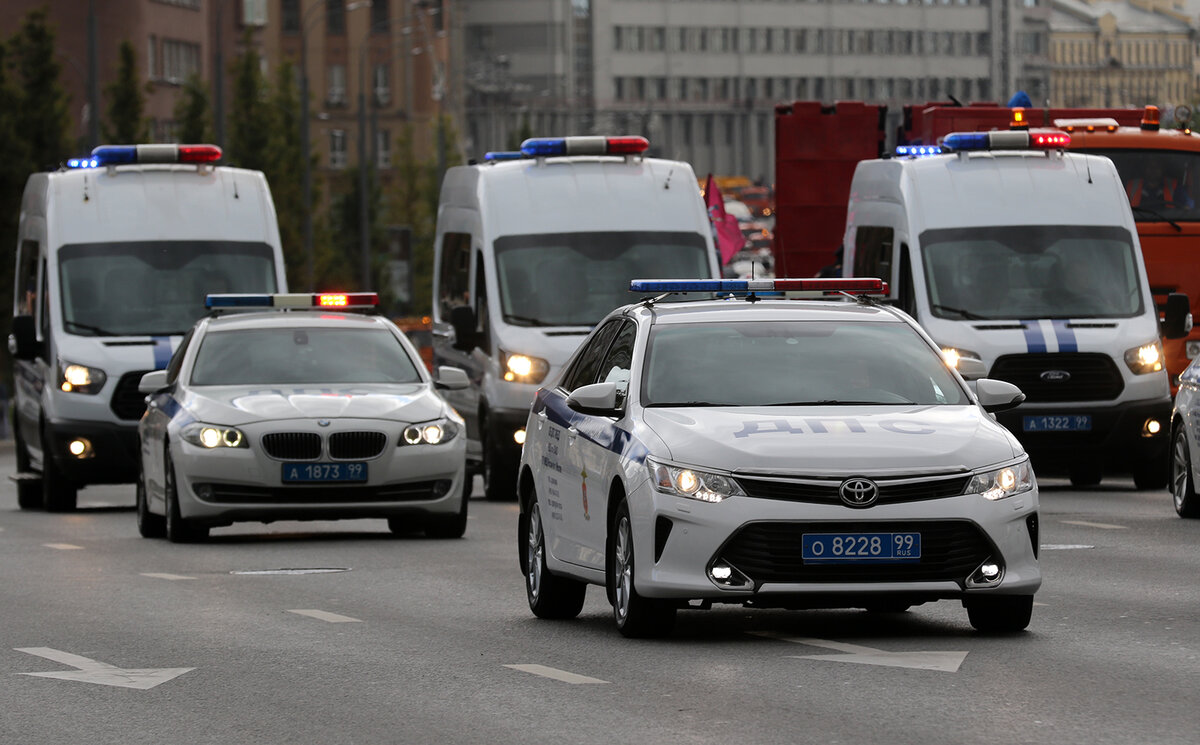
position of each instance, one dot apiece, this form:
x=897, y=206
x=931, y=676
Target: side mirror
x=23, y=343
x=451, y=378
x=997, y=395
x=1177, y=321
x=462, y=318
x=152, y=382
x=971, y=368
x=598, y=398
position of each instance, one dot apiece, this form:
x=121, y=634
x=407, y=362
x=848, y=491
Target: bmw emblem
x=322, y=422
x=858, y=492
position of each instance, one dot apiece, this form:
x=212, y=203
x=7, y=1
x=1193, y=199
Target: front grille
x=903, y=489
x=292, y=445
x=128, y=403
x=1094, y=377
x=771, y=552
x=415, y=491
x=356, y=445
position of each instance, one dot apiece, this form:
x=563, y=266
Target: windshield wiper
x=94, y=329
x=1158, y=216
x=964, y=313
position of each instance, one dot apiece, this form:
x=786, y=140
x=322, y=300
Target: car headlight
x=73, y=378
x=999, y=483
x=1147, y=358
x=430, y=433
x=952, y=355
x=521, y=368
x=692, y=483
x=213, y=436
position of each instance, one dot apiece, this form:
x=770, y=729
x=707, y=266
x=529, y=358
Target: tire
x=1152, y=474
x=1084, y=475
x=451, y=526
x=149, y=525
x=549, y=596
x=58, y=494
x=1003, y=614
x=178, y=528
x=499, y=475
x=29, y=491
x=1183, y=485
x=636, y=617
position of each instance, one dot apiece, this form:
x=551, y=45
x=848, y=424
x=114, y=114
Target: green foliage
x=251, y=116
x=41, y=112
x=126, y=101
x=192, y=114
x=517, y=136
x=284, y=168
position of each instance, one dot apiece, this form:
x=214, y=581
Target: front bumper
x=1117, y=436
x=114, y=457
x=680, y=539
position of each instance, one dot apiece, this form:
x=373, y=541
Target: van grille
x=128, y=403
x=1093, y=377
x=356, y=445
x=292, y=445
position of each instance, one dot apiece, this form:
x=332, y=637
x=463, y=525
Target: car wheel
x=178, y=528
x=29, y=490
x=1183, y=486
x=451, y=526
x=1000, y=614
x=636, y=616
x=58, y=494
x=499, y=477
x=549, y=596
x=1083, y=475
x=149, y=525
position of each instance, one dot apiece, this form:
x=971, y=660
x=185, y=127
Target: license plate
x=837, y=548
x=322, y=472
x=1059, y=423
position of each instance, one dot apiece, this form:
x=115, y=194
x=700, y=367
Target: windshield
x=302, y=356
x=1160, y=183
x=154, y=288
x=1031, y=271
x=794, y=363
x=575, y=279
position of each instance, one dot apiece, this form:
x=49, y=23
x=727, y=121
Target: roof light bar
x=542, y=147
x=1106, y=124
x=1001, y=140
x=493, y=156
x=120, y=155
x=917, y=151
x=294, y=300
x=848, y=285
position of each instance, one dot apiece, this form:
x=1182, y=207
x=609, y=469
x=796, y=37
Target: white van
x=114, y=257
x=1022, y=261
x=531, y=252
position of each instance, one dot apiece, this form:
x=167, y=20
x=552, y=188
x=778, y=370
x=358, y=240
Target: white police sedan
x=317, y=414
x=1185, y=445
x=773, y=453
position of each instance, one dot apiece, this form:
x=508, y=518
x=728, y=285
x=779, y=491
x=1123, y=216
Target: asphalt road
x=424, y=641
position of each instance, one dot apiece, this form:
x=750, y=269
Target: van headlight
x=523, y=368
x=705, y=486
x=73, y=378
x=952, y=355
x=430, y=433
x=1000, y=483
x=212, y=436
x=1145, y=359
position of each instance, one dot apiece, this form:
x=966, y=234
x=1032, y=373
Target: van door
x=454, y=347
x=30, y=375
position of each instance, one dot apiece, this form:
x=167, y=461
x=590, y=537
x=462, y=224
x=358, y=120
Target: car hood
x=237, y=405
x=824, y=440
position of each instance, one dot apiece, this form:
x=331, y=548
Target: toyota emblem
x=858, y=492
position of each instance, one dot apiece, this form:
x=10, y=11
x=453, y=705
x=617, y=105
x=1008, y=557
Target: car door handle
x=541, y=419
x=572, y=433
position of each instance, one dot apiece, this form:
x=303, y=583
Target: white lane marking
x=1036, y=603
x=946, y=662
x=1064, y=546
x=1086, y=524
x=102, y=673
x=62, y=546
x=163, y=575
x=325, y=616
x=556, y=674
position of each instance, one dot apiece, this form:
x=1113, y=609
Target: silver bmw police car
x=773, y=453
x=323, y=414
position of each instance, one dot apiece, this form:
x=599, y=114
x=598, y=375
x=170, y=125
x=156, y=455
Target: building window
x=180, y=60
x=383, y=88
x=337, y=148
x=289, y=12
x=337, y=85
x=254, y=12
x=383, y=149
x=379, y=17
x=335, y=16
x=152, y=58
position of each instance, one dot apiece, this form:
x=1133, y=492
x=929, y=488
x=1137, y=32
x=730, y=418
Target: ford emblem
x=858, y=492
x=1055, y=376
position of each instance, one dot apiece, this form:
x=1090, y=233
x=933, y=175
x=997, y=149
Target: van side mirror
x=23, y=344
x=152, y=382
x=462, y=318
x=599, y=399
x=997, y=395
x=1177, y=320
x=451, y=378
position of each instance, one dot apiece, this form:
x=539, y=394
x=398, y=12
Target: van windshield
x=1031, y=271
x=575, y=279
x=154, y=288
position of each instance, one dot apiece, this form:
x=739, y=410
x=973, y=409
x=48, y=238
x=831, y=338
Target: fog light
x=1151, y=428
x=81, y=448
x=726, y=576
x=519, y=437
x=722, y=572
x=989, y=570
x=988, y=574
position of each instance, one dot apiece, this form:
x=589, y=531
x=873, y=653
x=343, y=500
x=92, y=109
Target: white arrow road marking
x=556, y=674
x=62, y=546
x=1102, y=526
x=947, y=662
x=325, y=616
x=158, y=575
x=1064, y=546
x=91, y=671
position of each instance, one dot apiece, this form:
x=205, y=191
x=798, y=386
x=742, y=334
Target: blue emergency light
x=1006, y=140
x=542, y=147
x=917, y=151
x=121, y=155
x=293, y=300
x=838, y=285
x=496, y=155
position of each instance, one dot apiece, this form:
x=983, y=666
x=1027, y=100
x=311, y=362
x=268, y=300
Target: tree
x=192, y=114
x=126, y=101
x=250, y=115
x=14, y=169
x=41, y=112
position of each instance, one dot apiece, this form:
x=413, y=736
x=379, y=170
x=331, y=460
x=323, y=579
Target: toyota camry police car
x=299, y=415
x=771, y=452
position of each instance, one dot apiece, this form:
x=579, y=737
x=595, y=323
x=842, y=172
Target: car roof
x=293, y=319
x=739, y=309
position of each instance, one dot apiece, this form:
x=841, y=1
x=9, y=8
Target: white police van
x=1024, y=259
x=114, y=258
x=532, y=250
